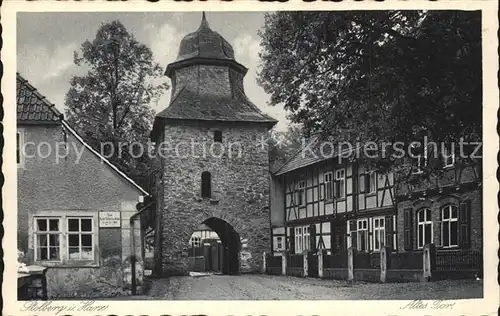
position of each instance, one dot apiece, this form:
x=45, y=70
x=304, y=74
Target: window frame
x=301, y=193
x=449, y=221
x=63, y=217
x=366, y=234
x=372, y=178
x=380, y=230
x=422, y=225
x=48, y=232
x=341, y=180
x=80, y=233
x=329, y=185
x=302, y=239
x=279, y=245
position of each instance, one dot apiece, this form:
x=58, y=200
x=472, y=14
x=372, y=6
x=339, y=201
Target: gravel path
x=264, y=287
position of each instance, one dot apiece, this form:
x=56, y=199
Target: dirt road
x=264, y=287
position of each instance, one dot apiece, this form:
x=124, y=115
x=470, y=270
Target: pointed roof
x=32, y=107
x=188, y=104
x=204, y=43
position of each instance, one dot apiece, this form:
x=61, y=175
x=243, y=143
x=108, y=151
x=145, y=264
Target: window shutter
x=464, y=225
x=389, y=232
x=362, y=183
x=367, y=182
x=292, y=240
x=408, y=228
x=337, y=189
x=312, y=237
x=354, y=235
x=333, y=232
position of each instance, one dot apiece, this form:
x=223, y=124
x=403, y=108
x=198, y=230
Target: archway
x=231, y=245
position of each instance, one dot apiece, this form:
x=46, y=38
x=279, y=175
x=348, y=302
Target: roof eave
x=205, y=61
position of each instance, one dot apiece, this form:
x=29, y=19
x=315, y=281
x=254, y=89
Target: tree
x=377, y=76
x=111, y=103
x=283, y=145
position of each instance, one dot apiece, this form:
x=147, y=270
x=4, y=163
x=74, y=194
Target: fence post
x=350, y=264
x=306, y=270
x=429, y=257
x=264, y=263
x=283, y=263
x=383, y=264
x=320, y=263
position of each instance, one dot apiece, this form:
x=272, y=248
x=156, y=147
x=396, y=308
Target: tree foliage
x=376, y=76
x=111, y=103
x=284, y=144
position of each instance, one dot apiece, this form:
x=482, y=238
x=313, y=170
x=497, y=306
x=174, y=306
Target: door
x=312, y=264
x=339, y=237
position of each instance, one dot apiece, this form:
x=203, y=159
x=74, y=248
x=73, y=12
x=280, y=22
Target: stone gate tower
x=214, y=161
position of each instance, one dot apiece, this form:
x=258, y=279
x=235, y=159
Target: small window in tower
x=218, y=136
x=206, y=185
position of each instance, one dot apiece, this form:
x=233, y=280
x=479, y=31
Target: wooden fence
x=274, y=265
x=295, y=265
x=405, y=260
x=385, y=266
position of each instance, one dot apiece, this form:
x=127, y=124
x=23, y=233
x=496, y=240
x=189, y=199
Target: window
x=80, y=243
x=368, y=182
x=378, y=233
x=448, y=156
x=195, y=241
x=278, y=245
x=61, y=239
x=218, y=136
x=20, y=147
x=47, y=239
x=206, y=185
x=340, y=183
x=301, y=193
x=328, y=185
x=449, y=226
x=362, y=235
x=302, y=239
x=424, y=227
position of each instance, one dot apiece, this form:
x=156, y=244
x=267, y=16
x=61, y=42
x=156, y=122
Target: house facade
x=77, y=213
x=333, y=204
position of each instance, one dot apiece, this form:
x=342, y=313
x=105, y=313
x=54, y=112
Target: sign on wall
x=109, y=219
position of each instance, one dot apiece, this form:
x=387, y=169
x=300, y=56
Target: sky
x=46, y=42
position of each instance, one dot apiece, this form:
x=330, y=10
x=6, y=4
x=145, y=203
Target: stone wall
x=240, y=189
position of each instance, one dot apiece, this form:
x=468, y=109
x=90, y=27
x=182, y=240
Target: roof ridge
x=39, y=95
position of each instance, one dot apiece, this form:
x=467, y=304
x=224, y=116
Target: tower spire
x=204, y=21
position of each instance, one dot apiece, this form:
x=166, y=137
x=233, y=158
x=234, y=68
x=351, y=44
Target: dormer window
x=206, y=185
x=218, y=136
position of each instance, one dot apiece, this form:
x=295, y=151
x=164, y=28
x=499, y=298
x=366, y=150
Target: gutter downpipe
x=132, y=244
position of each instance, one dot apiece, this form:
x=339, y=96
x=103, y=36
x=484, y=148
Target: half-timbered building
x=331, y=204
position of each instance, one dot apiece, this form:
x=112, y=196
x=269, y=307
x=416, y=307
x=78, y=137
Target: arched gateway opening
x=221, y=255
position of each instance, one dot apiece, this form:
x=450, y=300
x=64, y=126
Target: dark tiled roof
x=205, y=43
x=32, y=107
x=191, y=105
x=307, y=156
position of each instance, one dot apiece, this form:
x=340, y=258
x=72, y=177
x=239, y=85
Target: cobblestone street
x=264, y=287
